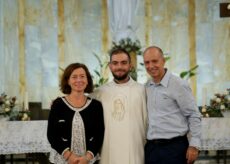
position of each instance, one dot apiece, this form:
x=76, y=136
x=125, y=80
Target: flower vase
x=226, y=113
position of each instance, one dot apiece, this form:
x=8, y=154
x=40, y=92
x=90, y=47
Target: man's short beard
x=119, y=78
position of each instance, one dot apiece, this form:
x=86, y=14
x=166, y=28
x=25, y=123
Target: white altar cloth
x=30, y=136
x=215, y=134
x=23, y=137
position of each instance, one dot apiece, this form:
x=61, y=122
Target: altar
x=17, y=137
x=215, y=134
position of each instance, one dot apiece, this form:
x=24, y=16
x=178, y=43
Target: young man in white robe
x=125, y=114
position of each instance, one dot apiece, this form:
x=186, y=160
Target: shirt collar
x=164, y=81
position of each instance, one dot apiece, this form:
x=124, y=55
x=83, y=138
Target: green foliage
x=62, y=70
x=7, y=109
x=214, y=112
x=209, y=111
x=167, y=58
x=133, y=73
x=191, y=72
x=218, y=104
x=128, y=45
x=99, y=79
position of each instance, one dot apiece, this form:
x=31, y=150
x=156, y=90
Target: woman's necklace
x=77, y=103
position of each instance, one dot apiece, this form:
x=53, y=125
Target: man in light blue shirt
x=172, y=114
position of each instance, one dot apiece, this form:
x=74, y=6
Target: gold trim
x=21, y=38
x=105, y=34
x=104, y=26
x=192, y=41
x=148, y=21
x=61, y=36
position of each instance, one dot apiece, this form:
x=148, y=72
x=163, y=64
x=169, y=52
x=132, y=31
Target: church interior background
x=40, y=38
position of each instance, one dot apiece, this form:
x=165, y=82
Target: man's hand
x=192, y=154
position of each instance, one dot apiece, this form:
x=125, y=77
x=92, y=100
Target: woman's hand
x=73, y=159
x=83, y=160
x=86, y=158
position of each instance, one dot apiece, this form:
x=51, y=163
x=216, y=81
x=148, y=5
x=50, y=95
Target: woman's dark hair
x=64, y=86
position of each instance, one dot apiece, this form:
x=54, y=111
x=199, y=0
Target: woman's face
x=78, y=80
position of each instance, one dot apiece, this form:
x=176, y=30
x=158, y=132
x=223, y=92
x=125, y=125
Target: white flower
x=203, y=110
x=7, y=102
x=225, y=93
x=7, y=109
x=206, y=115
x=222, y=107
x=228, y=98
x=25, y=116
x=218, y=100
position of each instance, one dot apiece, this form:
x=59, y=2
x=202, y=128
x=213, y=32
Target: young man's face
x=120, y=66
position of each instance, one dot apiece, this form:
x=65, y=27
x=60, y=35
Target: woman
x=75, y=124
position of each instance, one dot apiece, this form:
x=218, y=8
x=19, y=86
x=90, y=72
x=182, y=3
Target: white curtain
x=2, y=84
x=122, y=18
x=9, y=71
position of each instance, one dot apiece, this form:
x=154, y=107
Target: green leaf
x=61, y=69
x=122, y=41
x=167, y=58
x=98, y=74
x=96, y=85
x=101, y=81
x=106, y=80
x=191, y=74
x=183, y=74
x=194, y=68
x=98, y=59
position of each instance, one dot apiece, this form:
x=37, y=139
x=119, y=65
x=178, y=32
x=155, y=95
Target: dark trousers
x=166, y=151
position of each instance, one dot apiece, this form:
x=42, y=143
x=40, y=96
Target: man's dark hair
x=118, y=51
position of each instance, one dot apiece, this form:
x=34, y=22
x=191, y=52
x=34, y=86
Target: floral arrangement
x=218, y=105
x=7, y=104
x=7, y=109
x=23, y=115
x=221, y=101
x=128, y=45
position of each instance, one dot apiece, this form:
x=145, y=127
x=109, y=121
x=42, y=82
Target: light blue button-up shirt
x=172, y=110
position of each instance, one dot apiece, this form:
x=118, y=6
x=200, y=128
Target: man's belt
x=167, y=141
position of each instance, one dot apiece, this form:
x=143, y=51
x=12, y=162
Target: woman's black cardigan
x=60, y=125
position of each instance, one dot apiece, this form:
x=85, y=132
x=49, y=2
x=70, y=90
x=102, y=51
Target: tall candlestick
x=26, y=104
x=204, y=96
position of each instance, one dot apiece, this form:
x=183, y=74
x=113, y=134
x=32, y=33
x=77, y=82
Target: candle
x=26, y=104
x=204, y=96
